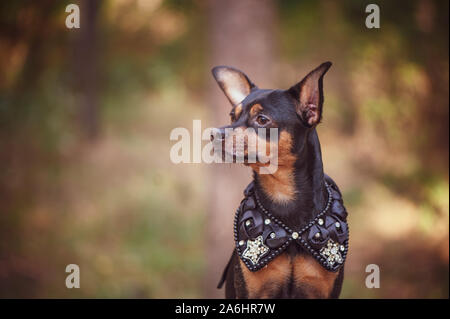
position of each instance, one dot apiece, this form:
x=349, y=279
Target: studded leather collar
x=260, y=237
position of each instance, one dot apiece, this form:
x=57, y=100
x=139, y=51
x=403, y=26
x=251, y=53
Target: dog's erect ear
x=309, y=95
x=234, y=83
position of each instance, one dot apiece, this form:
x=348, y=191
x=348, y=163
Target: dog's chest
x=289, y=276
x=261, y=238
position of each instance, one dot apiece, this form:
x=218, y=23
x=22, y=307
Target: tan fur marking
x=308, y=271
x=280, y=185
x=237, y=111
x=256, y=108
x=268, y=279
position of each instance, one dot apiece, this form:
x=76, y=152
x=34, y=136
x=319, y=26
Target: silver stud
x=248, y=222
x=241, y=243
x=295, y=235
x=320, y=221
x=317, y=235
x=273, y=235
x=267, y=221
x=338, y=225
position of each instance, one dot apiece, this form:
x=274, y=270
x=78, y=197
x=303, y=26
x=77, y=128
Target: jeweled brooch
x=255, y=250
x=332, y=252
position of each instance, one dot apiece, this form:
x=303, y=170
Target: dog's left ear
x=309, y=95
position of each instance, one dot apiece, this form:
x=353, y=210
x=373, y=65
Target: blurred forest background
x=85, y=118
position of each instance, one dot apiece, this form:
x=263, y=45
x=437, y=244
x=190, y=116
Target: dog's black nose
x=217, y=134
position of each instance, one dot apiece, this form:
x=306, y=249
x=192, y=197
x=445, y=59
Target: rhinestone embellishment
x=331, y=253
x=267, y=221
x=273, y=235
x=295, y=235
x=241, y=243
x=255, y=250
x=320, y=221
x=248, y=222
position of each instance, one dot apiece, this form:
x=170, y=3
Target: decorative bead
x=272, y=235
x=320, y=221
x=295, y=235
x=241, y=243
x=248, y=222
x=338, y=225
x=317, y=235
x=267, y=221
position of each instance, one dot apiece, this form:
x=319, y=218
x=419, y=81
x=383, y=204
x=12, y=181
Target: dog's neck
x=297, y=192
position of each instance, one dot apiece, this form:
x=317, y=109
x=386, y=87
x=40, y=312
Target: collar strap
x=260, y=236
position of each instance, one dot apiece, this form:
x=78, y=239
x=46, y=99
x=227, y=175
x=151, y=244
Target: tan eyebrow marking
x=255, y=109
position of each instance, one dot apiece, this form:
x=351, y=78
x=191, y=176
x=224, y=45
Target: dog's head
x=292, y=112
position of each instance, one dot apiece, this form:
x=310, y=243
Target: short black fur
x=288, y=113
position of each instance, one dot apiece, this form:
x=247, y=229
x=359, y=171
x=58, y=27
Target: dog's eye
x=262, y=120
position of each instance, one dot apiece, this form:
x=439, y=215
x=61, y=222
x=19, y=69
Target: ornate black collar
x=260, y=236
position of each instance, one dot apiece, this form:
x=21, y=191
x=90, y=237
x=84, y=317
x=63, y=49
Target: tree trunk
x=241, y=35
x=86, y=69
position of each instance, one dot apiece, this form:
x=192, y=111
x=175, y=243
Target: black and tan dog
x=291, y=234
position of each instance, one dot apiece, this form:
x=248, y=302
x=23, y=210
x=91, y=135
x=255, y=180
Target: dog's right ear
x=234, y=83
